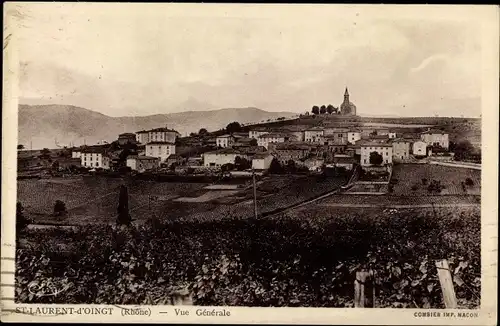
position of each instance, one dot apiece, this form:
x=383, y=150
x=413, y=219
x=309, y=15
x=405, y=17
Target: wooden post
x=364, y=290
x=254, y=193
x=446, y=281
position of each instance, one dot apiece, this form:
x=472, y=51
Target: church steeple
x=346, y=96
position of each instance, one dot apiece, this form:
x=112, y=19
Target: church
x=347, y=107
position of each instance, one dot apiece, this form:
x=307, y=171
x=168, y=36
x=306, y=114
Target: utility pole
x=254, y=194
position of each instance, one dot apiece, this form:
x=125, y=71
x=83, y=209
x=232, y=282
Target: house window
x=96, y=164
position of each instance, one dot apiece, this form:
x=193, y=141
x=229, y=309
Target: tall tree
x=315, y=109
x=233, y=127
x=253, y=142
x=202, y=131
x=329, y=109
x=20, y=146
x=322, y=110
x=376, y=158
x=124, y=217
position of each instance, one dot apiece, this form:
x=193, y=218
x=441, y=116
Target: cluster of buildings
x=316, y=146
x=154, y=147
x=301, y=145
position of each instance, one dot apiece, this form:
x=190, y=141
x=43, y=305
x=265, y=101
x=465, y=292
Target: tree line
x=328, y=109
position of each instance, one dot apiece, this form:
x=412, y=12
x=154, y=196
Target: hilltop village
x=328, y=137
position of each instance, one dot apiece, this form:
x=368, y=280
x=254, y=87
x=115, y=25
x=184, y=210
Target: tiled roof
x=262, y=155
x=160, y=143
x=225, y=136
x=276, y=135
x=142, y=157
x=161, y=129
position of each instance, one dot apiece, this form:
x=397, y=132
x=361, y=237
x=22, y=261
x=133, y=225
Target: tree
x=463, y=149
x=322, y=110
x=233, y=127
x=275, y=167
x=124, y=217
x=21, y=221
x=59, y=208
x=227, y=167
x=241, y=163
x=315, y=109
x=192, y=134
x=469, y=182
x=330, y=109
x=253, y=142
x=202, y=131
x=20, y=146
x=290, y=166
x=376, y=158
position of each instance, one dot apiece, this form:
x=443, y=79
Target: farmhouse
x=127, y=138
x=160, y=149
x=344, y=161
x=256, y=132
x=224, y=141
x=419, y=148
x=142, y=163
x=142, y=136
x=222, y=156
x=338, y=138
x=401, y=149
x=262, y=161
x=367, y=147
x=433, y=137
x=313, y=134
x=95, y=157
x=353, y=136
x=285, y=152
x=274, y=137
x=76, y=153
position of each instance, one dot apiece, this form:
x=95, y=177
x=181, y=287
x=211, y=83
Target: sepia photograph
x=169, y=157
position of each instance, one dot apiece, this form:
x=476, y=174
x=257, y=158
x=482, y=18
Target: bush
x=59, y=208
x=469, y=182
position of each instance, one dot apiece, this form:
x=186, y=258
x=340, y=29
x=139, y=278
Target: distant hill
x=42, y=125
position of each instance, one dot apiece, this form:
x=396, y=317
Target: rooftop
x=161, y=129
x=262, y=155
x=143, y=157
x=314, y=129
x=225, y=136
x=126, y=134
x=276, y=135
x=434, y=131
x=160, y=143
x=372, y=143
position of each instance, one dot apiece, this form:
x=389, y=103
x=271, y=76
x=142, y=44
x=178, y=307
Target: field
x=310, y=258
x=406, y=176
x=94, y=200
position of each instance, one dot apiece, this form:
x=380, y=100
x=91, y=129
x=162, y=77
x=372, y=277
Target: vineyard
x=413, y=180
x=306, y=257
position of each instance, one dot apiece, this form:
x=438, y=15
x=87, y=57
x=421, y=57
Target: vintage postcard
x=237, y=163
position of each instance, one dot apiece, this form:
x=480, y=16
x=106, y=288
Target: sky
x=142, y=59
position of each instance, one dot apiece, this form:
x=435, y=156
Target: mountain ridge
x=42, y=125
